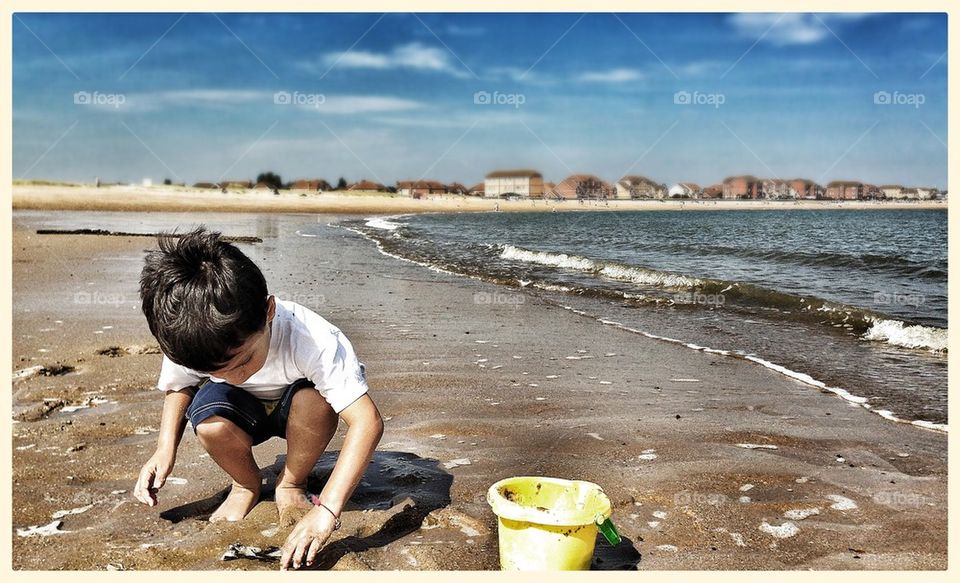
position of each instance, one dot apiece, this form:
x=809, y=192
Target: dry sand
x=166, y=198
x=711, y=462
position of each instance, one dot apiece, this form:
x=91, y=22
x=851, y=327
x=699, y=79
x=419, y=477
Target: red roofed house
x=420, y=188
x=476, y=189
x=456, y=188
x=583, y=186
x=738, y=187
x=845, y=190
x=639, y=187
x=366, y=185
x=714, y=191
x=806, y=189
x=315, y=185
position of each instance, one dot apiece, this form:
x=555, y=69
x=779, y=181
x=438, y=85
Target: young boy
x=243, y=366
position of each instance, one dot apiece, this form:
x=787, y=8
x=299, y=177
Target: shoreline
x=802, y=377
x=183, y=199
x=706, y=459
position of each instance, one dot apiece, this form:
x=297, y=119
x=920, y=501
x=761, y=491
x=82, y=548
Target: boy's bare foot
x=292, y=504
x=240, y=501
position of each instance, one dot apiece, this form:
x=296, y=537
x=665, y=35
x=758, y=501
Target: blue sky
x=677, y=97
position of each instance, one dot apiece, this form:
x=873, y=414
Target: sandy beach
x=711, y=462
x=181, y=199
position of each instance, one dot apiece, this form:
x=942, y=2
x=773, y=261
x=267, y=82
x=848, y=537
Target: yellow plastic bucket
x=549, y=524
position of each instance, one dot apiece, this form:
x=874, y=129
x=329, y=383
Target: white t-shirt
x=302, y=345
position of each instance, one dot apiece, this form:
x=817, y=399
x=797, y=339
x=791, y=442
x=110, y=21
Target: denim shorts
x=246, y=411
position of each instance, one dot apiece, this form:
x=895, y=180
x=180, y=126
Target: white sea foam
x=897, y=333
x=611, y=270
x=383, y=223
x=545, y=258
x=648, y=276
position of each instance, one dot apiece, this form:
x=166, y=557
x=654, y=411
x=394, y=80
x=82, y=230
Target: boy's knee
x=216, y=428
x=309, y=403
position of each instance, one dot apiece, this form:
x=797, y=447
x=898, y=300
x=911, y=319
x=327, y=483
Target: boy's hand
x=152, y=477
x=307, y=538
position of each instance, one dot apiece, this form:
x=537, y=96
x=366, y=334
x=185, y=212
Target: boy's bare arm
x=365, y=428
x=172, y=423
x=173, y=419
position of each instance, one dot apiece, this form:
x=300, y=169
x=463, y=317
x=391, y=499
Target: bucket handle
x=609, y=530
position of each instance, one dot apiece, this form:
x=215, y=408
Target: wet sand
x=711, y=462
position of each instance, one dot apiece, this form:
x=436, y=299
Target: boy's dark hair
x=202, y=298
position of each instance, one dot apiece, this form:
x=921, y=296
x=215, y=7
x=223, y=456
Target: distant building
x=713, y=191
x=314, y=185
x=845, y=190
x=685, y=190
x=524, y=183
x=366, y=185
x=236, y=184
x=872, y=192
x=777, y=189
x=805, y=189
x=420, y=188
x=456, y=188
x=742, y=187
x=926, y=193
x=583, y=186
x=206, y=185
x=476, y=189
x=639, y=187
x=263, y=186
x=892, y=191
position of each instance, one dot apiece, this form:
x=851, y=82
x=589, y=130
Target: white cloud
x=222, y=98
x=621, y=75
x=518, y=74
x=789, y=28
x=210, y=98
x=413, y=56
x=352, y=104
